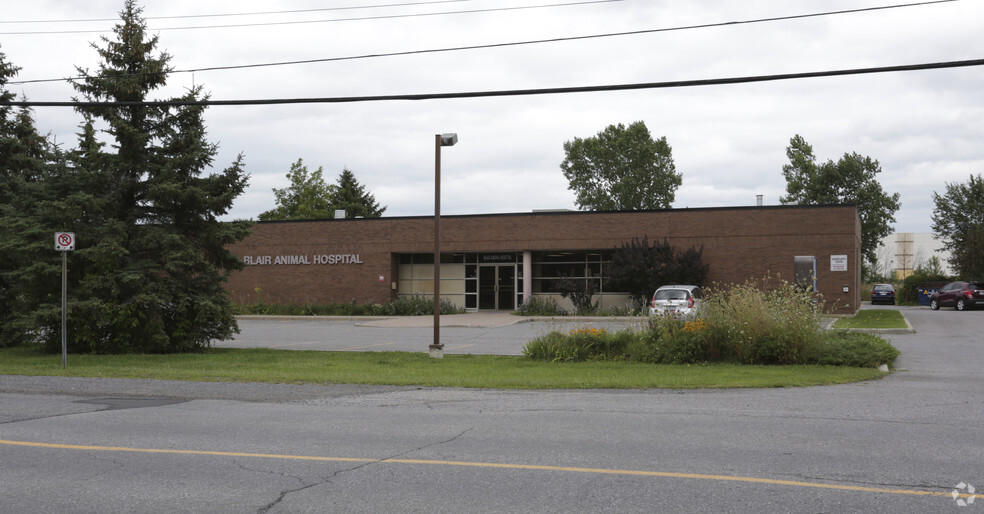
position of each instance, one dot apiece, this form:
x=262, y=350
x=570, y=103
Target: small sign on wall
x=838, y=263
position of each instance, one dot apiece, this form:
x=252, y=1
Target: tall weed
x=762, y=322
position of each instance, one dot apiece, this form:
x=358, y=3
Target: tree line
x=309, y=197
x=625, y=168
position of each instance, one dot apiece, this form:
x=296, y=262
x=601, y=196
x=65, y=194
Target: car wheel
x=934, y=304
x=961, y=305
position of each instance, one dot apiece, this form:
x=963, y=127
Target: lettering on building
x=302, y=260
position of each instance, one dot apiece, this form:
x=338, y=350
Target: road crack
x=328, y=479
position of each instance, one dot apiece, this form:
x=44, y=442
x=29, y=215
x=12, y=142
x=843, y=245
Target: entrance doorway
x=497, y=287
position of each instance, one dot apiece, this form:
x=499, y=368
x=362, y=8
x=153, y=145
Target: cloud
x=729, y=142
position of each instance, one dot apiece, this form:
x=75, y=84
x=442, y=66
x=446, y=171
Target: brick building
x=496, y=261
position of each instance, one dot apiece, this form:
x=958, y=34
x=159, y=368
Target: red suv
x=961, y=295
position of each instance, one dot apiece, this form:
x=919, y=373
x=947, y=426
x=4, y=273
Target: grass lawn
x=873, y=318
x=403, y=368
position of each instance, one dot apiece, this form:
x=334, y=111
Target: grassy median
x=873, y=318
x=419, y=369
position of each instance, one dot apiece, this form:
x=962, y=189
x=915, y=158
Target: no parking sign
x=64, y=241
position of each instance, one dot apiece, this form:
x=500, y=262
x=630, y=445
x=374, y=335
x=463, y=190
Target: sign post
x=64, y=243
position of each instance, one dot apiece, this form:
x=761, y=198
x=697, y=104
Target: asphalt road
x=900, y=444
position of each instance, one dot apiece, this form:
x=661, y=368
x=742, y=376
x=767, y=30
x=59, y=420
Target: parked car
x=676, y=300
x=883, y=293
x=960, y=295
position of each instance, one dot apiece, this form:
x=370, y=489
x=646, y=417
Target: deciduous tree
x=639, y=268
x=850, y=180
x=308, y=197
x=958, y=222
x=621, y=168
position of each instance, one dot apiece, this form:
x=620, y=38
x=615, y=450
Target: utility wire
x=521, y=43
x=512, y=92
x=257, y=13
x=335, y=20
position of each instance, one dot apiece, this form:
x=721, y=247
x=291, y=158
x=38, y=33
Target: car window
x=698, y=293
x=884, y=287
x=671, y=294
x=975, y=285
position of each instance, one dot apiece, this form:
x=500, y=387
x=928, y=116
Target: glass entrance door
x=497, y=287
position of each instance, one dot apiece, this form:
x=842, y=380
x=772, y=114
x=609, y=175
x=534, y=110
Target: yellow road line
x=601, y=471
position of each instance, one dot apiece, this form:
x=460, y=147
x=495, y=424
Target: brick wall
x=739, y=243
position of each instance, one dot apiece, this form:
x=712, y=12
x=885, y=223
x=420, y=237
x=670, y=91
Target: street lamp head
x=449, y=139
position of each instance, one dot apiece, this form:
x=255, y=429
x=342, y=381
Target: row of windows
x=548, y=269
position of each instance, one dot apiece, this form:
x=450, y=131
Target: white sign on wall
x=838, y=263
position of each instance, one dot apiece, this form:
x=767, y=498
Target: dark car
x=960, y=295
x=883, y=293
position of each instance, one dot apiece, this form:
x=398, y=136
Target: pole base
x=436, y=351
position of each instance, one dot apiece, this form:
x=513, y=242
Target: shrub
x=407, y=305
x=843, y=348
x=541, y=306
x=579, y=345
x=414, y=305
x=747, y=324
x=761, y=323
x=672, y=340
x=580, y=292
x=908, y=294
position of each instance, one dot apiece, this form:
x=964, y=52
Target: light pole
x=437, y=348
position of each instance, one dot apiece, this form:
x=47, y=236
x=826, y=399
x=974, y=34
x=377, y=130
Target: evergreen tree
x=151, y=259
x=353, y=198
x=26, y=158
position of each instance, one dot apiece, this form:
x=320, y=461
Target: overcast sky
x=926, y=128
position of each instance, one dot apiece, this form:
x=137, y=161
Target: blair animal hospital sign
x=277, y=260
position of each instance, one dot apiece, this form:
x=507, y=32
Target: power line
x=335, y=20
x=514, y=92
x=256, y=13
x=528, y=42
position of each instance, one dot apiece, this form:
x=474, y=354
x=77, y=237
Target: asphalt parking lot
x=486, y=332
x=490, y=333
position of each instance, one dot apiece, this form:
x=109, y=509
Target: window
x=549, y=267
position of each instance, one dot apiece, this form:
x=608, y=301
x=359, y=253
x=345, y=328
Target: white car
x=676, y=300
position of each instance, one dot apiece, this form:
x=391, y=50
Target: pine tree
x=151, y=256
x=29, y=269
x=353, y=198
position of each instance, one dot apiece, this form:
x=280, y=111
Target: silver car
x=676, y=300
